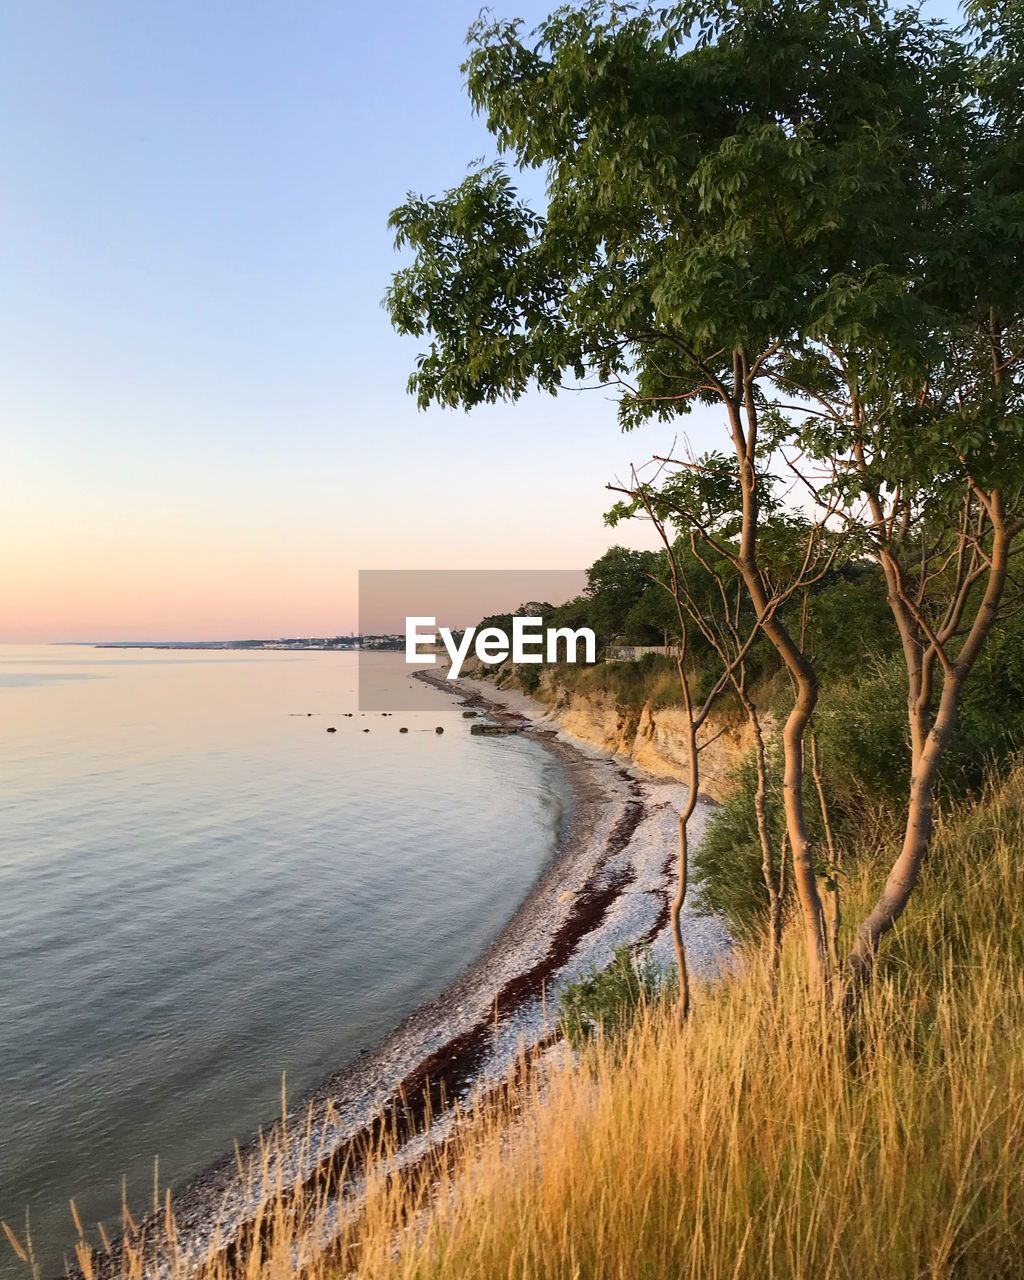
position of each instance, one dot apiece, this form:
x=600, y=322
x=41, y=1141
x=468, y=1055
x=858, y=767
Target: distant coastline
x=317, y=644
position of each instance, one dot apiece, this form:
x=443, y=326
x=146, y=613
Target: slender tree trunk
x=806, y=696
x=693, y=782
x=917, y=835
x=685, y=814
x=804, y=876
x=804, y=682
x=833, y=911
x=832, y=901
x=783, y=864
x=768, y=871
x=675, y=915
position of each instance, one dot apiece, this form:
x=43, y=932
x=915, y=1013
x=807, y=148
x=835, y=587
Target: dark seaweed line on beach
x=443, y=1077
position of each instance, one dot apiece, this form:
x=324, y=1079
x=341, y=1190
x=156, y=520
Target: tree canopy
x=811, y=215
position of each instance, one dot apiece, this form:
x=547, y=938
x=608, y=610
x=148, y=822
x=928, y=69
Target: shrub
x=862, y=724
x=727, y=860
x=605, y=1002
x=865, y=746
x=529, y=678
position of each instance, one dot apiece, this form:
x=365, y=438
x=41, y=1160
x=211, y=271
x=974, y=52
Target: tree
x=653, y=620
x=914, y=416
x=730, y=187
x=699, y=582
x=616, y=584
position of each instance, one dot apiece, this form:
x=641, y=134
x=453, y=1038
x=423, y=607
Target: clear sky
x=203, y=412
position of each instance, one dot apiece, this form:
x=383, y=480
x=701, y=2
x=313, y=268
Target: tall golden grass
x=764, y=1141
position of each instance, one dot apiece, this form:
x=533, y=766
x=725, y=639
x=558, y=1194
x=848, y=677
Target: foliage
x=727, y=860
x=718, y=176
x=849, y=621
x=529, y=678
x=863, y=728
x=616, y=583
x=606, y=1002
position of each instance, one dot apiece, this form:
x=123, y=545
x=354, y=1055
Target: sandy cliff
x=654, y=738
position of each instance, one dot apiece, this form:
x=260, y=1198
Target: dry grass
x=760, y=1143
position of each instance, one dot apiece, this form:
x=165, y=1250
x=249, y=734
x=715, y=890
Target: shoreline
x=608, y=883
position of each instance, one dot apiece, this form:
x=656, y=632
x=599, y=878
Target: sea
x=209, y=903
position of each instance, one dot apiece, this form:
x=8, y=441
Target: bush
x=862, y=723
x=865, y=743
x=727, y=861
x=529, y=678
x=605, y=1002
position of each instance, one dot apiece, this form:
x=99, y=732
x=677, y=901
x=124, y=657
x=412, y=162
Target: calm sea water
x=201, y=889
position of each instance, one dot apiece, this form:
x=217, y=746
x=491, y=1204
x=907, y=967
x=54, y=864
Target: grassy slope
x=752, y=1147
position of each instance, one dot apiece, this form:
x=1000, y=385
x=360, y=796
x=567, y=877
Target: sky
x=204, y=423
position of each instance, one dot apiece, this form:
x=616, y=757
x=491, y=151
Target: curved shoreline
x=597, y=891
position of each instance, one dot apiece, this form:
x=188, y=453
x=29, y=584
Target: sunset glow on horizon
x=207, y=432
x=140, y=556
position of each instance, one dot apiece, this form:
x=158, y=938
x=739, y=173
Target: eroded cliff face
x=654, y=739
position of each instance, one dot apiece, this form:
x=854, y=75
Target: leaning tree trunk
x=804, y=875
x=675, y=916
x=927, y=747
x=832, y=902
x=805, y=684
x=917, y=836
x=682, y=876
x=768, y=871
